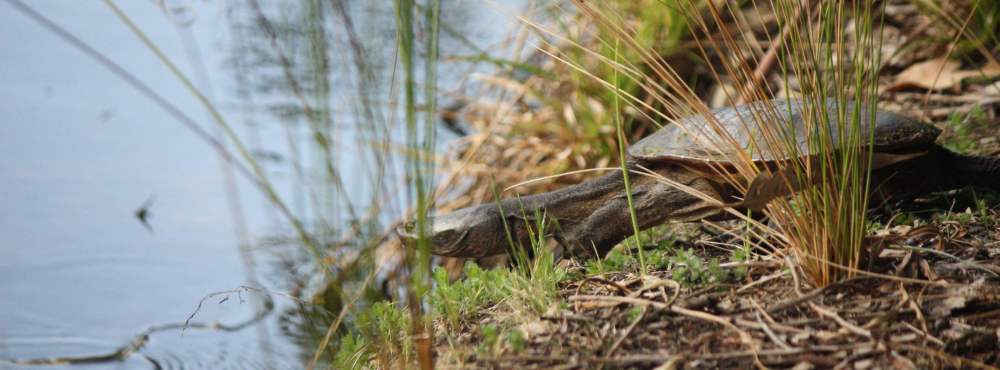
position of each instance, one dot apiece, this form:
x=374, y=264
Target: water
x=81, y=151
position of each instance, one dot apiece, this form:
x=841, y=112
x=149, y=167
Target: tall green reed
x=420, y=164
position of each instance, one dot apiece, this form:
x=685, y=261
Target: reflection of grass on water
x=345, y=179
x=352, y=125
x=348, y=104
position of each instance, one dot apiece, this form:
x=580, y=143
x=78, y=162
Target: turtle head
x=469, y=232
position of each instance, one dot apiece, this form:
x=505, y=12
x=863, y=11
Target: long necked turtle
x=592, y=216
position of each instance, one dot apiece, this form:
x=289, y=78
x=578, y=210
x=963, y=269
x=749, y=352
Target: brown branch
x=770, y=58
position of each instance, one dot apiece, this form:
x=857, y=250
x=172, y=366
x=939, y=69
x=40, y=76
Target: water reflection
x=309, y=90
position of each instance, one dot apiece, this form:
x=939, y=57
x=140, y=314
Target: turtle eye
x=407, y=230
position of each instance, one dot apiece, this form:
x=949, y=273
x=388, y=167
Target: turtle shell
x=693, y=139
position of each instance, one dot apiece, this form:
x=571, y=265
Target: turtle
x=591, y=217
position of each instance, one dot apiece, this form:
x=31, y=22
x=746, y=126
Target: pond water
x=81, y=151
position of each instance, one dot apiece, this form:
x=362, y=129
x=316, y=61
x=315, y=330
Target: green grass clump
x=385, y=326
x=495, y=338
x=615, y=260
x=979, y=213
x=689, y=268
x=622, y=259
x=351, y=354
x=455, y=301
x=964, y=125
x=490, y=338
x=516, y=340
x=685, y=266
x=985, y=216
x=625, y=257
x=526, y=291
x=535, y=283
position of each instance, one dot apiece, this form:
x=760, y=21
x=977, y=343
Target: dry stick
x=965, y=263
x=770, y=58
x=726, y=322
x=793, y=268
x=755, y=282
x=924, y=334
x=770, y=334
x=660, y=283
x=140, y=339
x=594, y=279
x=795, y=301
x=625, y=334
x=660, y=358
x=866, y=352
x=919, y=314
x=840, y=320
x=232, y=189
x=883, y=276
x=958, y=362
x=982, y=315
x=777, y=325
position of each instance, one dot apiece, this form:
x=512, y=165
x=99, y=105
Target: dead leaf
x=940, y=74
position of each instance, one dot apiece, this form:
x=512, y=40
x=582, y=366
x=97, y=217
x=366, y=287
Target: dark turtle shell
x=692, y=139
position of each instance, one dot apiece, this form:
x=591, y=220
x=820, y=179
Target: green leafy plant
x=385, y=327
x=963, y=125
x=456, y=301
x=740, y=255
x=490, y=338
x=535, y=283
x=690, y=269
x=353, y=353
x=621, y=258
x=516, y=340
